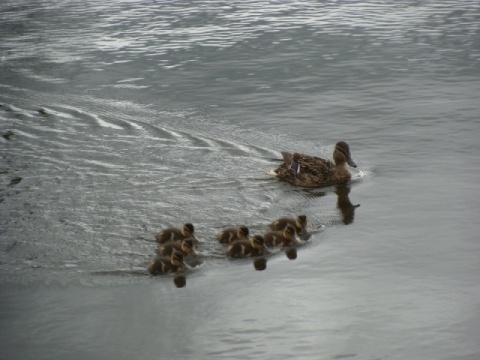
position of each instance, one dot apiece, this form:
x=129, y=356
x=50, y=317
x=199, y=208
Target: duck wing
x=313, y=165
x=305, y=170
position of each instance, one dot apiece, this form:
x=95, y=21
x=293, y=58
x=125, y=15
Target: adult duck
x=313, y=171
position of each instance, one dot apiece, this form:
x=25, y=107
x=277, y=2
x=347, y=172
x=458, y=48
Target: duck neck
x=341, y=169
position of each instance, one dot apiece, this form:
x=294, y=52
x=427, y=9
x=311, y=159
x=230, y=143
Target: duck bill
x=351, y=162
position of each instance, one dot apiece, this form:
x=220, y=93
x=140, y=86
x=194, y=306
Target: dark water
x=122, y=118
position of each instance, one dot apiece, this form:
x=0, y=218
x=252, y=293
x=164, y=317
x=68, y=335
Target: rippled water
x=120, y=119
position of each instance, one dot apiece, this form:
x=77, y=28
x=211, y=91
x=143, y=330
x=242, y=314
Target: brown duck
x=280, y=238
x=174, y=234
x=229, y=235
x=298, y=222
x=312, y=171
x=185, y=246
x=247, y=248
x=164, y=265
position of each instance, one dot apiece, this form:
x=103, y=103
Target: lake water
x=123, y=118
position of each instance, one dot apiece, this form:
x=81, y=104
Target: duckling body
x=298, y=222
x=185, y=246
x=280, y=238
x=246, y=248
x=229, y=235
x=312, y=171
x=175, y=234
x=164, y=265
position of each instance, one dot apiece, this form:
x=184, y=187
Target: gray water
x=123, y=118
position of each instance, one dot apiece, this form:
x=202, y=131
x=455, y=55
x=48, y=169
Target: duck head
x=289, y=232
x=187, y=246
x=177, y=259
x=341, y=154
x=188, y=230
x=243, y=232
x=301, y=221
x=257, y=242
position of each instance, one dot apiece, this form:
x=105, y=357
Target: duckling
x=164, y=265
x=312, y=171
x=280, y=238
x=299, y=223
x=174, y=234
x=247, y=248
x=229, y=235
x=185, y=246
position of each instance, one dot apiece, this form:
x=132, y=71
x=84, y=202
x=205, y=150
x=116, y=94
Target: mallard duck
x=185, y=246
x=174, y=234
x=312, y=171
x=164, y=265
x=229, y=235
x=247, y=248
x=298, y=222
x=280, y=238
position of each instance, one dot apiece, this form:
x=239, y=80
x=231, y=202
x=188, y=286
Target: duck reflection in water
x=347, y=209
x=291, y=253
x=180, y=281
x=344, y=205
x=260, y=263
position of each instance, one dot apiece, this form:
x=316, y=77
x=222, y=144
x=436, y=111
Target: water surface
x=118, y=120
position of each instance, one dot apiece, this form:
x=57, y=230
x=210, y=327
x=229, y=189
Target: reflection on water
x=180, y=281
x=260, y=263
x=291, y=253
x=347, y=209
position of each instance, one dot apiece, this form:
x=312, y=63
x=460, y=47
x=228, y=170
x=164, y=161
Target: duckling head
x=341, y=154
x=243, y=232
x=188, y=230
x=187, y=246
x=289, y=232
x=257, y=242
x=177, y=259
x=301, y=221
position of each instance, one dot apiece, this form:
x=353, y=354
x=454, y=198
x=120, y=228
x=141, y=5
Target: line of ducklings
x=174, y=244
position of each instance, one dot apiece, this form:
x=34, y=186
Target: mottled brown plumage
x=185, y=246
x=164, y=265
x=280, y=238
x=229, y=235
x=175, y=234
x=298, y=222
x=247, y=248
x=312, y=171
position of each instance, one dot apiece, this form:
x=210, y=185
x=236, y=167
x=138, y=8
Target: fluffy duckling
x=164, y=265
x=247, y=248
x=298, y=222
x=174, y=234
x=229, y=235
x=280, y=238
x=186, y=246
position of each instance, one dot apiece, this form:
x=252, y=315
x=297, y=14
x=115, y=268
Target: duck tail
x=289, y=163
